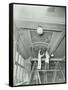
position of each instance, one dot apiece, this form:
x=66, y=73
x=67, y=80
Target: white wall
x=39, y=14
x=4, y=41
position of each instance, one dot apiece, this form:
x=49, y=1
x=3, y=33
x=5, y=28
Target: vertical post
x=38, y=77
x=45, y=73
x=55, y=72
x=32, y=71
x=16, y=68
x=20, y=60
x=62, y=72
x=23, y=70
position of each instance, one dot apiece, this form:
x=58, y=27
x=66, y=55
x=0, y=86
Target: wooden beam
x=18, y=64
x=17, y=69
x=49, y=45
x=32, y=29
x=55, y=73
x=46, y=67
x=33, y=25
x=52, y=59
x=23, y=46
x=38, y=77
x=62, y=72
x=40, y=43
x=56, y=43
x=19, y=73
x=59, y=42
x=50, y=70
x=32, y=71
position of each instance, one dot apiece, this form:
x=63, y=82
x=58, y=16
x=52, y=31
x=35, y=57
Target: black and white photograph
x=39, y=44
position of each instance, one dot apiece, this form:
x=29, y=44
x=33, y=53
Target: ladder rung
x=49, y=70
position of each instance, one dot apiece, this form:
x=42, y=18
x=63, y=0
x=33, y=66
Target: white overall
x=47, y=57
x=39, y=60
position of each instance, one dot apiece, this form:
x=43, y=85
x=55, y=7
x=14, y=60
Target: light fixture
x=40, y=30
x=52, y=55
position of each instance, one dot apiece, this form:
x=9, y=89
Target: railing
x=24, y=75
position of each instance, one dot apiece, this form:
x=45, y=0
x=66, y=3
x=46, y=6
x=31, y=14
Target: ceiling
x=29, y=42
x=39, y=13
x=26, y=21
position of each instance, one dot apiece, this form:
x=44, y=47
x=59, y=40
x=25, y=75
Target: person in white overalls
x=39, y=59
x=47, y=59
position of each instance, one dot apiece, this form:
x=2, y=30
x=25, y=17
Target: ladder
x=35, y=71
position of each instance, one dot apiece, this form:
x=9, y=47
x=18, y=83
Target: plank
x=55, y=73
x=52, y=59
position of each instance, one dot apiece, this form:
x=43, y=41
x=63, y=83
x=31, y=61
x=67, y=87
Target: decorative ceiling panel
x=46, y=37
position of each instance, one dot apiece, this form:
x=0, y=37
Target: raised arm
x=42, y=55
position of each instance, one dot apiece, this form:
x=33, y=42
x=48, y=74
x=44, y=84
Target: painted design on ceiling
x=29, y=42
x=46, y=37
x=40, y=41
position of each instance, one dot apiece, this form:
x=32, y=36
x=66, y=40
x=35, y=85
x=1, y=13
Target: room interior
x=29, y=39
